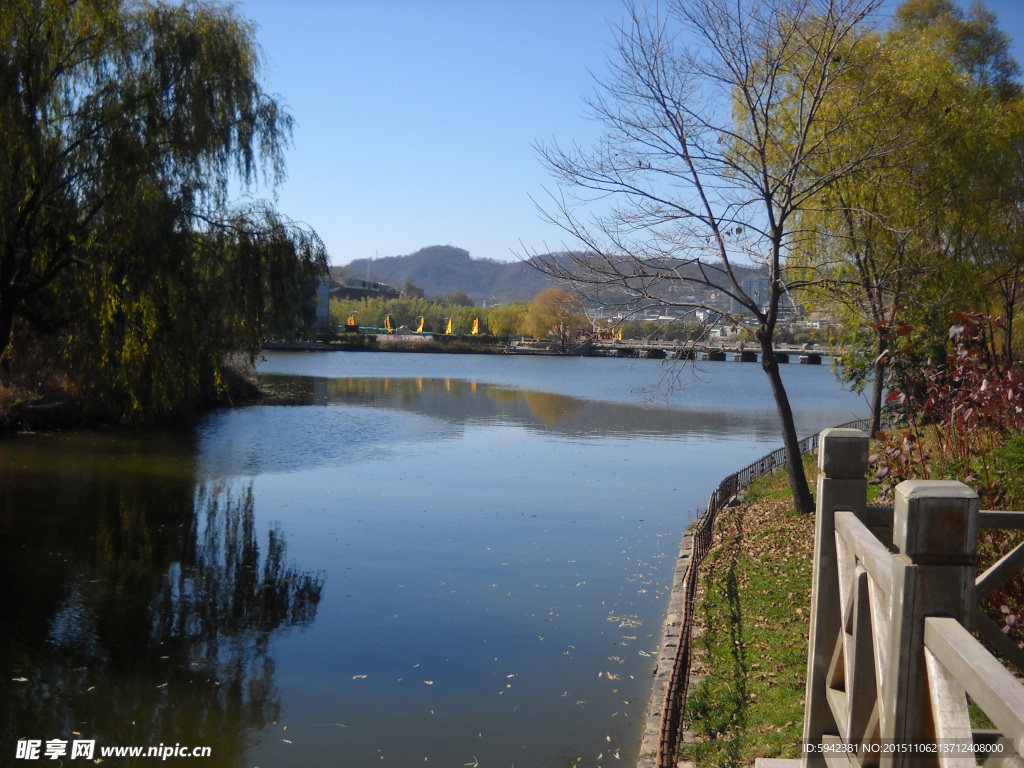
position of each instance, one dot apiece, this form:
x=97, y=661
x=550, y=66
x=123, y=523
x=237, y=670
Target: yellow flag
x=387, y=323
x=420, y=328
x=620, y=334
x=448, y=330
x=476, y=325
x=351, y=320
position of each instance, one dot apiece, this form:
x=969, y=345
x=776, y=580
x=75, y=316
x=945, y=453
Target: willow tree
x=508, y=320
x=123, y=125
x=868, y=245
x=556, y=314
x=717, y=120
x=1000, y=250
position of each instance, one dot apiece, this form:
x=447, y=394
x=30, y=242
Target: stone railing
x=892, y=663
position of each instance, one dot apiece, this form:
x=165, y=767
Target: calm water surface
x=409, y=559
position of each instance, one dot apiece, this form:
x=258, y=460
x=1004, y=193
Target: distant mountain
x=444, y=269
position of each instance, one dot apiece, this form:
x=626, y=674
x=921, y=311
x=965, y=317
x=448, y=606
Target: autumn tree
x=1000, y=250
x=974, y=239
x=124, y=124
x=556, y=314
x=717, y=120
x=508, y=319
x=909, y=237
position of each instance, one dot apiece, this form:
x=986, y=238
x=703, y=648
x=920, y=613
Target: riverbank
x=749, y=664
x=747, y=671
x=487, y=345
x=754, y=566
x=36, y=398
x=50, y=405
x=370, y=343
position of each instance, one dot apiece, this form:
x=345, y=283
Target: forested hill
x=444, y=269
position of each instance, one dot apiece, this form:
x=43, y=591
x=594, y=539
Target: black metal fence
x=702, y=529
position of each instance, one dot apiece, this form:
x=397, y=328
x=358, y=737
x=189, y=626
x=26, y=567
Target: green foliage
x=403, y=311
x=753, y=610
x=508, y=320
x=411, y=290
x=123, y=124
x=979, y=47
x=504, y=321
x=930, y=226
x=556, y=314
x=665, y=331
x=457, y=299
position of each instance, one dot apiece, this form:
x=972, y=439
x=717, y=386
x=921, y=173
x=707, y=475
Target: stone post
x=935, y=529
x=842, y=485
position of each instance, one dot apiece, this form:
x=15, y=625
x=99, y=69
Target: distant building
x=707, y=316
x=759, y=289
x=355, y=288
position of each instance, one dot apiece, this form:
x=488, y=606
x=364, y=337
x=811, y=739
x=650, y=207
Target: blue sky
x=415, y=119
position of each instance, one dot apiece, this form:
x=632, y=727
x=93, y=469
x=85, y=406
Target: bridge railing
x=891, y=663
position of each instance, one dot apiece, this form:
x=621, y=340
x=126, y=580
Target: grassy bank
x=746, y=699
x=751, y=619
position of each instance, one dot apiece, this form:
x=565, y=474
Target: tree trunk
x=878, y=385
x=6, y=326
x=1009, y=292
x=803, y=501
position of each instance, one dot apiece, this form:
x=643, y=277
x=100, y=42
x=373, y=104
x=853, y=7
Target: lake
x=404, y=559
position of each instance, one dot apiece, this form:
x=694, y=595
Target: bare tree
x=720, y=122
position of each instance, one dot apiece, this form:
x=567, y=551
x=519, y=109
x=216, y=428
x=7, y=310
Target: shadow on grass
x=719, y=703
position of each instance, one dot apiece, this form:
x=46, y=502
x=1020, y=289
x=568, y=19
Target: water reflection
x=139, y=606
x=499, y=558
x=459, y=401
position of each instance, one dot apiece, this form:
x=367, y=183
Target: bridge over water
x=740, y=353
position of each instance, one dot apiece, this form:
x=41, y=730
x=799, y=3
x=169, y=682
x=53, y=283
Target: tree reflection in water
x=162, y=631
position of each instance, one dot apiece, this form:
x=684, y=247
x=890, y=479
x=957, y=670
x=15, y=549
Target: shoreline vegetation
x=49, y=405
x=752, y=610
x=40, y=398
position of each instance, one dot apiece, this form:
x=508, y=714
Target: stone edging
x=730, y=492
x=663, y=671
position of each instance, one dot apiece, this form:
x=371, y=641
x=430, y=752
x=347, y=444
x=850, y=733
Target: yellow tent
x=448, y=330
x=419, y=329
x=351, y=320
x=476, y=326
x=387, y=324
